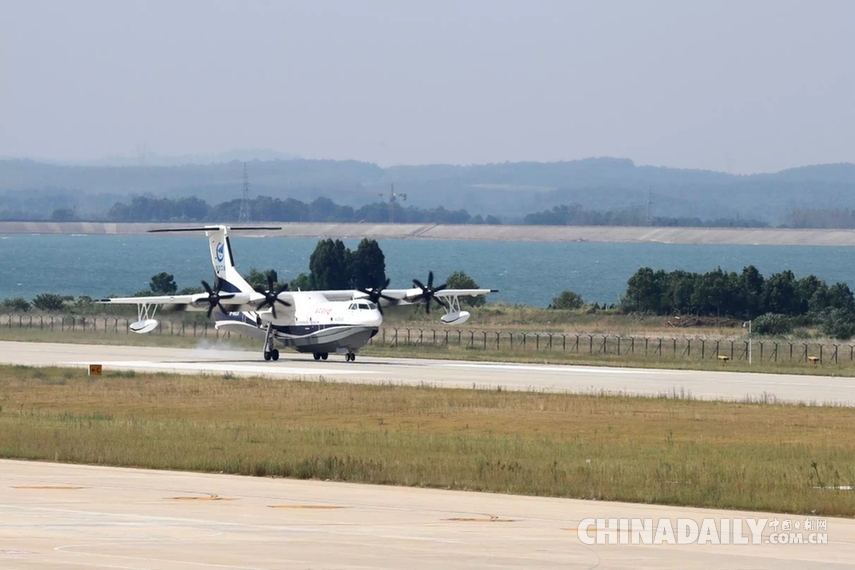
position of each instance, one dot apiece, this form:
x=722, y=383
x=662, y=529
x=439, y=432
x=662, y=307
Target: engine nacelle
x=143, y=326
x=455, y=318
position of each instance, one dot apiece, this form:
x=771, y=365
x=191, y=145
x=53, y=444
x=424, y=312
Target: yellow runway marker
x=206, y=498
x=48, y=487
x=318, y=507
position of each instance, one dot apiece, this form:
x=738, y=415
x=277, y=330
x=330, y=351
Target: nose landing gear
x=269, y=352
x=349, y=357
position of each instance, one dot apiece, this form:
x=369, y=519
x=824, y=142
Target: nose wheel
x=349, y=357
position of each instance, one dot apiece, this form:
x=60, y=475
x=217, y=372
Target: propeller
x=214, y=297
x=376, y=293
x=429, y=292
x=271, y=297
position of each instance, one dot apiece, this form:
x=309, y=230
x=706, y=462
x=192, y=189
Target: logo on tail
x=220, y=252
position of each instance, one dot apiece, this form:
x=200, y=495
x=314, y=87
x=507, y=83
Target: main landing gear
x=349, y=357
x=270, y=353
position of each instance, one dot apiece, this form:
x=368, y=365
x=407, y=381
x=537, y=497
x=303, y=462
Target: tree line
x=266, y=209
x=576, y=215
x=779, y=302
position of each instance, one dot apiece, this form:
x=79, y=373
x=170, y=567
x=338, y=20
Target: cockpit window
x=352, y=307
x=372, y=306
x=363, y=306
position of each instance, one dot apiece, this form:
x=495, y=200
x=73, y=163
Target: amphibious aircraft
x=317, y=322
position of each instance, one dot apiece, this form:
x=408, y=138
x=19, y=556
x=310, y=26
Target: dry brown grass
x=672, y=451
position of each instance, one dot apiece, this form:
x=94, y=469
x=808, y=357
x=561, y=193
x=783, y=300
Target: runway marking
x=567, y=369
x=319, y=507
x=222, y=368
x=213, y=497
x=492, y=519
x=48, y=487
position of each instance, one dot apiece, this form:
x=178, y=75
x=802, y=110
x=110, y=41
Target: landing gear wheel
x=267, y=355
x=274, y=354
x=317, y=356
x=350, y=357
x=325, y=355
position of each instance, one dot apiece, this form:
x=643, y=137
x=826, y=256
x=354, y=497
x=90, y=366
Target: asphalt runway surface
x=75, y=516
x=446, y=373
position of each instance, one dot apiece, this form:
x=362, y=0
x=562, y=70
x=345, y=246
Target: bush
x=772, y=324
x=567, y=300
x=49, y=302
x=839, y=324
x=16, y=305
x=460, y=280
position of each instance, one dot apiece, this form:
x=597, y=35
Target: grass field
x=756, y=456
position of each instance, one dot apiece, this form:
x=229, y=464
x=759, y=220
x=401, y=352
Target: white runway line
x=223, y=368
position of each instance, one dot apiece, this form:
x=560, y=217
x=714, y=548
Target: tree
x=460, y=280
x=567, y=300
x=49, y=302
x=260, y=280
x=779, y=294
x=63, y=215
x=839, y=324
x=840, y=297
x=644, y=290
x=329, y=265
x=751, y=291
x=163, y=284
x=367, y=265
x=16, y=305
x=302, y=282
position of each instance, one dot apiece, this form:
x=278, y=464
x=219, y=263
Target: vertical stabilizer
x=223, y=261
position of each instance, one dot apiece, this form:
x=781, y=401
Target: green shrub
x=16, y=305
x=49, y=302
x=567, y=300
x=772, y=324
x=839, y=324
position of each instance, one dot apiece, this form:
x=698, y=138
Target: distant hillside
x=507, y=190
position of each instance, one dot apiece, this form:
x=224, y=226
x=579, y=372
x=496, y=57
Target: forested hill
x=506, y=190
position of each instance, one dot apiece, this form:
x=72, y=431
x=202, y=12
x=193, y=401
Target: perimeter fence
x=578, y=343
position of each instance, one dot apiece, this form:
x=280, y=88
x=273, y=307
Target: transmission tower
x=243, y=217
x=393, y=197
x=649, y=203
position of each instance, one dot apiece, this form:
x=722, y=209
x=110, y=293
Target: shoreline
x=596, y=234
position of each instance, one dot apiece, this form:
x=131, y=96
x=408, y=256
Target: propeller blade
x=207, y=287
x=430, y=279
x=419, y=284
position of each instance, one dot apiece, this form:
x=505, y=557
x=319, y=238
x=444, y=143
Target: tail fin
x=221, y=256
x=223, y=261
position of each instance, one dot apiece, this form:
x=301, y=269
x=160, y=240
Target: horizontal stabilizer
x=212, y=228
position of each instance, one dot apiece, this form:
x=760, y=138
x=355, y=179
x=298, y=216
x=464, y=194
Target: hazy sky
x=737, y=86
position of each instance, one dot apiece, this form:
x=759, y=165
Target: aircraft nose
x=374, y=319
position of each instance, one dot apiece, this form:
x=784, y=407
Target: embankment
x=744, y=236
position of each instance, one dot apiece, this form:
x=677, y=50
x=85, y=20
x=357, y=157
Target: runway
x=446, y=373
x=72, y=516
